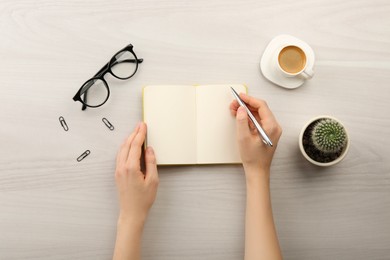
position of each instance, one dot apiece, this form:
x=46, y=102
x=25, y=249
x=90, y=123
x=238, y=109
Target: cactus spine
x=329, y=136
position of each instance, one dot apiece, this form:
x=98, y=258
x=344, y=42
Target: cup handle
x=307, y=73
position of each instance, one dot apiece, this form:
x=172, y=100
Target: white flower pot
x=338, y=159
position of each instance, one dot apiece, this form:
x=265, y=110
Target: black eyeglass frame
x=100, y=76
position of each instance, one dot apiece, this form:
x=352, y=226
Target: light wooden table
x=52, y=207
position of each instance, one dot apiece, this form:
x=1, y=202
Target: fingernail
x=150, y=150
x=241, y=113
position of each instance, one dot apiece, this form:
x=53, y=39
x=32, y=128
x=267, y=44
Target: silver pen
x=263, y=135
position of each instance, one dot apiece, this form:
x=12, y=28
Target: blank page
x=169, y=112
x=216, y=127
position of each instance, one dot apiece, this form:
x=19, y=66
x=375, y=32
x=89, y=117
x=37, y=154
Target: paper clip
x=83, y=155
x=63, y=123
x=107, y=123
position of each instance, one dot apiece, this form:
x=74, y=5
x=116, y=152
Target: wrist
x=256, y=170
x=256, y=176
x=129, y=221
x=256, y=167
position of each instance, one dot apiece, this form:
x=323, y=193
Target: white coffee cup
x=291, y=61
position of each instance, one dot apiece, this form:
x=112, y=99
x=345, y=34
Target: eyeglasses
x=123, y=65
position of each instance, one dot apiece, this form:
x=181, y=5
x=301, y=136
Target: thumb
x=150, y=164
x=243, y=131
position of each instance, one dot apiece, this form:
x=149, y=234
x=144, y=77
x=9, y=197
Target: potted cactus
x=324, y=141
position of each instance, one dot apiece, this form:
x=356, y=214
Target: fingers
x=243, y=130
x=251, y=102
x=259, y=105
x=136, y=146
x=261, y=111
x=233, y=107
x=151, y=166
x=125, y=147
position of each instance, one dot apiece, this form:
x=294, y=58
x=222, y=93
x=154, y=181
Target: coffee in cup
x=292, y=62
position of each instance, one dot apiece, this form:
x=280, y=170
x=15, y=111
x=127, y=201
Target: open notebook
x=191, y=124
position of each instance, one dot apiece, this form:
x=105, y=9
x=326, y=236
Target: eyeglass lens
x=97, y=92
x=125, y=65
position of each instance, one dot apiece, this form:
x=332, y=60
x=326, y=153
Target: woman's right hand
x=255, y=155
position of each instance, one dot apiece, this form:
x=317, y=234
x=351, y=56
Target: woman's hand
x=255, y=155
x=261, y=241
x=137, y=190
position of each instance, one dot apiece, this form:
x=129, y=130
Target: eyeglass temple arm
x=132, y=60
x=128, y=61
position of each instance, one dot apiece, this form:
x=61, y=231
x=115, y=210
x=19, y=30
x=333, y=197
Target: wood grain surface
x=52, y=207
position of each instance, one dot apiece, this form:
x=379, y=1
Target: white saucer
x=270, y=71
